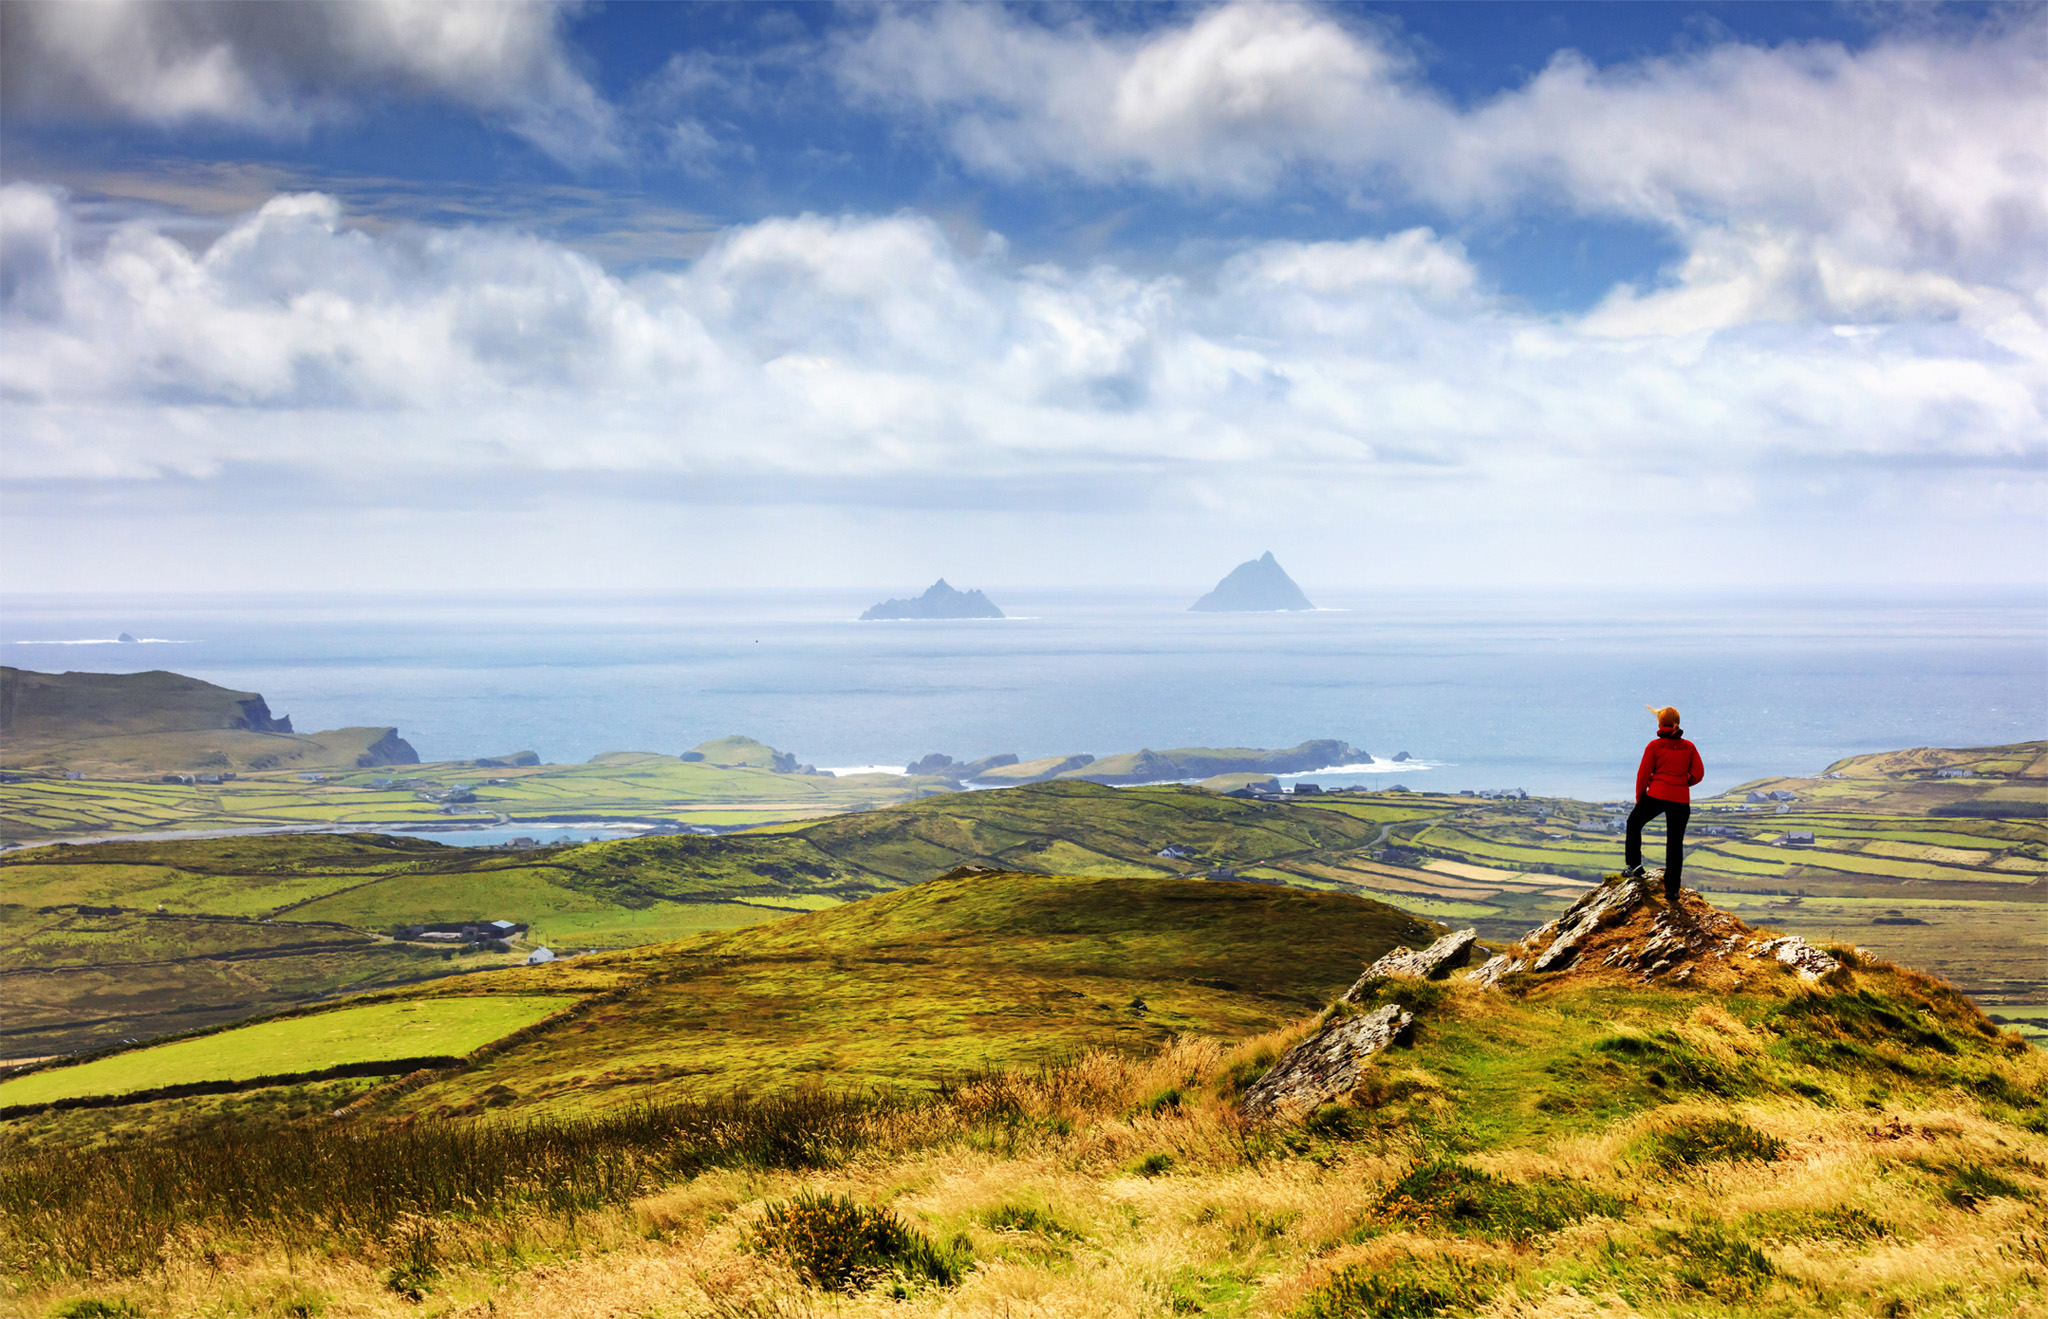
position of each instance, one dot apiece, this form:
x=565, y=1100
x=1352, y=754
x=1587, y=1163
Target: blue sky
x=312, y=296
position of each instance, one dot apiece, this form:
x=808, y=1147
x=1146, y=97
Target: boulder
x=1432, y=963
x=1325, y=1066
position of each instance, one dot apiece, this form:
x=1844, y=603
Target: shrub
x=1862, y=1016
x=1333, y=1122
x=1238, y=1077
x=1152, y=1164
x=1026, y=1218
x=91, y=1307
x=412, y=1280
x=1447, y=1196
x=1970, y=1184
x=1671, y=1061
x=839, y=1246
x=1691, y=1142
x=1715, y=1261
x=1409, y=1288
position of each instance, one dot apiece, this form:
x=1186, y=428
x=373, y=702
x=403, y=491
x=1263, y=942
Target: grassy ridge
x=1869, y=1145
x=937, y=981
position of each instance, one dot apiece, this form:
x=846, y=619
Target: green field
x=419, y=1028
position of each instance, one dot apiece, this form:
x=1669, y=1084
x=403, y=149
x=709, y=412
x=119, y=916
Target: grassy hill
x=128, y=724
x=259, y=922
x=932, y=982
x=1580, y=1142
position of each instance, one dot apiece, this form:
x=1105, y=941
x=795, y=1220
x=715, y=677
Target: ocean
x=1523, y=690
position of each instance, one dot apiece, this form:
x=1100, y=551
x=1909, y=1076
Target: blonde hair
x=1667, y=715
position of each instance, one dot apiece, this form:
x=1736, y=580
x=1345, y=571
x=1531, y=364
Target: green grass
x=942, y=980
x=421, y=1027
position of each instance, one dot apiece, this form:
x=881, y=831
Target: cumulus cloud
x=279, y=68
x=868, y=353
x=1922, y=151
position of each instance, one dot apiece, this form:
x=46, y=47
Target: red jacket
x=1671, y=765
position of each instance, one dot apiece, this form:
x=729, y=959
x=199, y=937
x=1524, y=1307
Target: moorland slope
x=1735, y=1132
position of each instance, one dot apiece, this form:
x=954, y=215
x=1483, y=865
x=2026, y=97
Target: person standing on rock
x=1671, y=765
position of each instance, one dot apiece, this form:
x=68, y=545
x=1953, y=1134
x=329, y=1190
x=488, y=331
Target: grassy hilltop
x=1062, y=1135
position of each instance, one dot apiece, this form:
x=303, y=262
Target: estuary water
x=1540, y=692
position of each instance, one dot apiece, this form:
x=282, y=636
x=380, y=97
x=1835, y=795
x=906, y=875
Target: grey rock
x=1500, y=964
x=1325, y=1066
x=1432, y=963
x=1797, y=953
x=1610, y=903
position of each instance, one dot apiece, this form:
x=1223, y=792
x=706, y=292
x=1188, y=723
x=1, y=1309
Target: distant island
x=1258, y=585
x=941, y=601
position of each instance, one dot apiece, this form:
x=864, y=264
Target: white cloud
x=866, y=359
x=1921, y=152
x=280, y=68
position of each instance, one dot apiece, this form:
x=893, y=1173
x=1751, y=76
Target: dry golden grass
x=1118, y=1186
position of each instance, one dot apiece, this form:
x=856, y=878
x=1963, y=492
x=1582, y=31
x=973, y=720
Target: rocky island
x=941, y=601
x=1258, y=585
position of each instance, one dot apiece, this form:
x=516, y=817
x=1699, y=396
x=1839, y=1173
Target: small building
x=1175, y=852
x=539, y=956
x=73, y=775
x=177, y=778
x=1799, y=838
x=1952, y=773
x=312, y=778
x=1304, y=789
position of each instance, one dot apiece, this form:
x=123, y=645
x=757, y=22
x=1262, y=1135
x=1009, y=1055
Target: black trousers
x=1676, y=814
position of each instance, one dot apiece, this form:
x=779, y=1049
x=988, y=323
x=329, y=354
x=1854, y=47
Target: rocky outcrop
x=388, y=749
x=1626, y=926
x=516, y=760
x=1496, y=966
x=1325, y=1066
x=938, y=601
x=1810, y=962
x=1432, y=963
x=1259, y=585
x=1609, y=904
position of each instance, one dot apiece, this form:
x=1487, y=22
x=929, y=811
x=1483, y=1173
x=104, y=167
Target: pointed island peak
x=940, y=601
x=1254, y=586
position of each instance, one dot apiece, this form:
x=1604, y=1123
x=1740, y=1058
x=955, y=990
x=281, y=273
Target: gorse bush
x=839, y=1245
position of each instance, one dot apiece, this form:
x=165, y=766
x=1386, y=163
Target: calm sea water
x=1539, y=692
